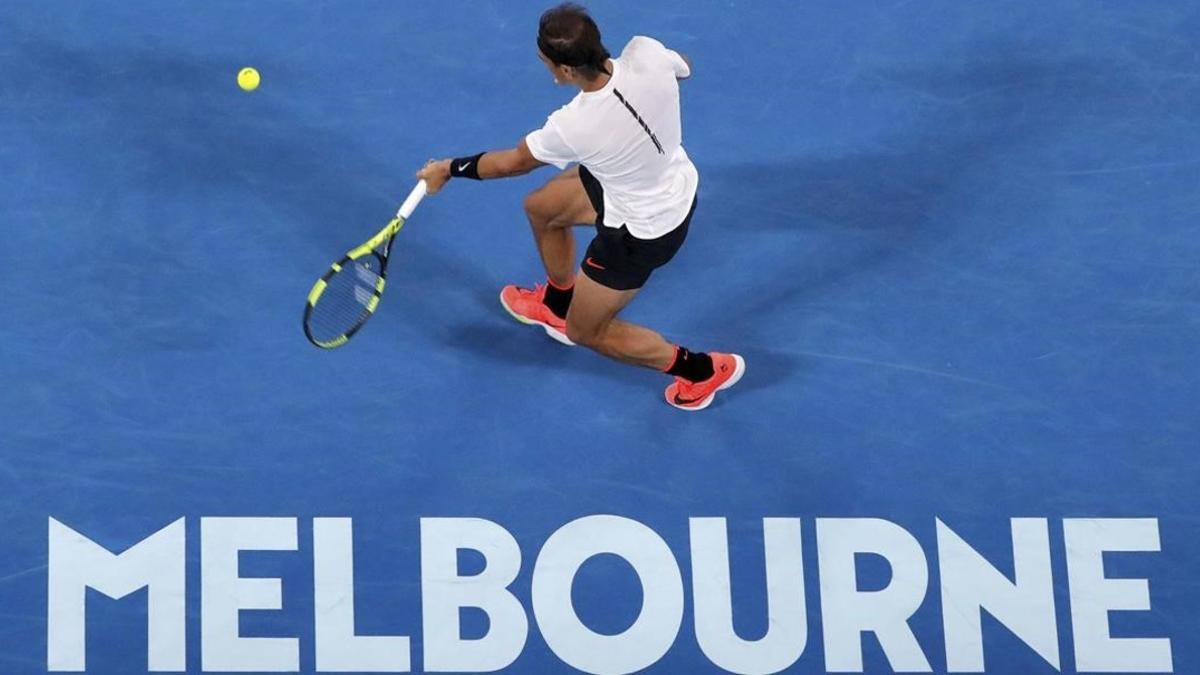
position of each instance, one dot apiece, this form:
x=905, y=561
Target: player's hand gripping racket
x=346, y=296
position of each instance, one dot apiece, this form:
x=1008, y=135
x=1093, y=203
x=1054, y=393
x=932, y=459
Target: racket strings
x=344, y=304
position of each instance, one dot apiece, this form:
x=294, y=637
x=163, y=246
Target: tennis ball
x=248, y=79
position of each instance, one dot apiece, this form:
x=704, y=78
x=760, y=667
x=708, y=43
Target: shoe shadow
x=767, y=368
x=504, y=341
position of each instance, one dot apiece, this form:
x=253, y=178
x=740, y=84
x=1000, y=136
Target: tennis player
x=633, y=180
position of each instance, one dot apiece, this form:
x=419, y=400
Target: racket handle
x=414, y=198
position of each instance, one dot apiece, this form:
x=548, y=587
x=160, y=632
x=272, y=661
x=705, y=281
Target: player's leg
x=592, y=322
x=553, y=210
x=616, y=266
x=699, y=376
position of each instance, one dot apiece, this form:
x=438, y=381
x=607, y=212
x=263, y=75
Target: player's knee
x=536, y=208
x=546, y=210
x=576, y=334
x=587, y=336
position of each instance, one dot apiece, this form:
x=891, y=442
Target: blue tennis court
x=956, y=243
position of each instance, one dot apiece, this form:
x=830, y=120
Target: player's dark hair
x=569, y=37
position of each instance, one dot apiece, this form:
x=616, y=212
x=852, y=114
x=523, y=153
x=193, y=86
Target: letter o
x=657, y=625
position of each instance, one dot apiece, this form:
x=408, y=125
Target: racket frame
x=385, y=238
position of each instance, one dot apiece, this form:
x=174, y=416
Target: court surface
x=956, y=243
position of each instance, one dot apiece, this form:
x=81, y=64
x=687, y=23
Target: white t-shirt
x=629, y=137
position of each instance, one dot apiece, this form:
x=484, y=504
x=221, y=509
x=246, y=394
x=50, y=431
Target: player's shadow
x=496, y=337
x=805, y=225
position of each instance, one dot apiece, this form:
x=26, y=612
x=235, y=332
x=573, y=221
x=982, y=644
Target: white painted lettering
x=970, y=584
x=223, y=593
x=846, y=612
x=656, y=627
x=444, y=592
x=1093, y=595
x=78, y=563
x=787, y=626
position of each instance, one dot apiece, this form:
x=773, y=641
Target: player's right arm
x=516, y=161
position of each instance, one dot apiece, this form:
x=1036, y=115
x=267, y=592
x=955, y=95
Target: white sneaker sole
x=554, y=333
x=739, y=369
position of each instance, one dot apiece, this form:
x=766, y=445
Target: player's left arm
x=516, y=161
x=687, y=62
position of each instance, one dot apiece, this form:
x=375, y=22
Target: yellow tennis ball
x=248, y=79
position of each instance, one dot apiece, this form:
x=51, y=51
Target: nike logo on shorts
x=592, y=263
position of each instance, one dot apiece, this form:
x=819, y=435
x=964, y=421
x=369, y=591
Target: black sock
x=694, y=366
x=559, y=300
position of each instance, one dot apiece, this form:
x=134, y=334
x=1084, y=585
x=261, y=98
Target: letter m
x=77, y=563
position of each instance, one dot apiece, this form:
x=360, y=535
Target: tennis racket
x=342, y=300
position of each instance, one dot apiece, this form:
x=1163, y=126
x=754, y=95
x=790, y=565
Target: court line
x=22, y=573
x=899, y=366
x=1125, y=169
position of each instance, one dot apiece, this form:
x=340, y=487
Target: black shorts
x=618, y=260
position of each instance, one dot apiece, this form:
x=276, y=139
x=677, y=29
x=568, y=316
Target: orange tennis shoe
x=688, y=395
x=529, y=306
